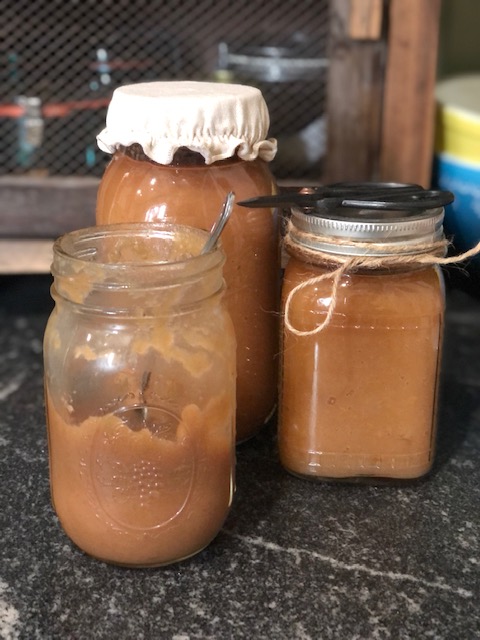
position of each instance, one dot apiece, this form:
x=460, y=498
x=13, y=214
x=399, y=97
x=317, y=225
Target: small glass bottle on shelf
x=140, y=392
x=178, y=149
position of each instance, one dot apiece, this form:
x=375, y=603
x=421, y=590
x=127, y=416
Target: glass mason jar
x=363, y=307
x=178, y=149
x=140, y=392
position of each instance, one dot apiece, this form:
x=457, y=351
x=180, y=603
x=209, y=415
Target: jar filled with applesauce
x=178, y=148
x=363, y=308
x=140, y=392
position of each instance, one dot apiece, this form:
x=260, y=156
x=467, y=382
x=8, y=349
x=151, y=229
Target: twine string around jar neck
x=426, y=254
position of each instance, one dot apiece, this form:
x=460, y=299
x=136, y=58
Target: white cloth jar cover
x=214, y=119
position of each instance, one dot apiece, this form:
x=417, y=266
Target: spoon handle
x=219, y=223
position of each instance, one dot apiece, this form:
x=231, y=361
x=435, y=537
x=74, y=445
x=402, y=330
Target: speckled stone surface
x=295, y=560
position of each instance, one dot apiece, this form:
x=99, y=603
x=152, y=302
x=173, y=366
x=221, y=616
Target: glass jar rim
x=80, y=245
x=110, y=267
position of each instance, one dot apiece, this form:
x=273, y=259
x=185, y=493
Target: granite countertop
x=294, y=560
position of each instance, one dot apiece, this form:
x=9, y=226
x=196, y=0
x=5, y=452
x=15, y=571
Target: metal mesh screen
x=61, y=59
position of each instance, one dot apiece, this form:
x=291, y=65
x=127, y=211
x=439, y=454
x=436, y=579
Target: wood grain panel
x=45, y=207
x=409, y=102
x=25, y=256
x=354, y=101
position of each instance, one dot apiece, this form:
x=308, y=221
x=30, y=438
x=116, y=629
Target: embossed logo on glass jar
x=142, y=467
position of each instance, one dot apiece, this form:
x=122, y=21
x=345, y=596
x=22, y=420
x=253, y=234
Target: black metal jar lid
x=363, y=218
x=373, y=196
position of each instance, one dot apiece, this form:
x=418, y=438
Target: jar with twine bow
x=363, y=310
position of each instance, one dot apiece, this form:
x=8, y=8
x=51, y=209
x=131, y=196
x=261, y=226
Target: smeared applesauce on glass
x=140, y=392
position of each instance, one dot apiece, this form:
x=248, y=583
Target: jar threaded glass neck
x=136, y=266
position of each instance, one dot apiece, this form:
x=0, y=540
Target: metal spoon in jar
x=219, y=223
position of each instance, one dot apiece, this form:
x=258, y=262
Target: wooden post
x=365, y=22
x=409, y=100
x=355, y=91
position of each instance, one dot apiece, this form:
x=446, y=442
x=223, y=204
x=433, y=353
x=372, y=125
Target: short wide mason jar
x=361, y=345
x=140, y=392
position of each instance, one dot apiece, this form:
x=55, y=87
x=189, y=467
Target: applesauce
x=161, y=171
x=127, y=494
x=359, y=398
x=363, y=304
x=140, y=392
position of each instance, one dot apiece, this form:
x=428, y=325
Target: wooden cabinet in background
x=380, y=124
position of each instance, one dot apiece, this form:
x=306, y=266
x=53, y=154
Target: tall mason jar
x=140, y=392
x=363, y=304
x=177, y=149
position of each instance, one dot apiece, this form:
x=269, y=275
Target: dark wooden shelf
x=45, y=207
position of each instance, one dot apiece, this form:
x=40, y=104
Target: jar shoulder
x=126, y=173
x=135, y=190
x=394, y=293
